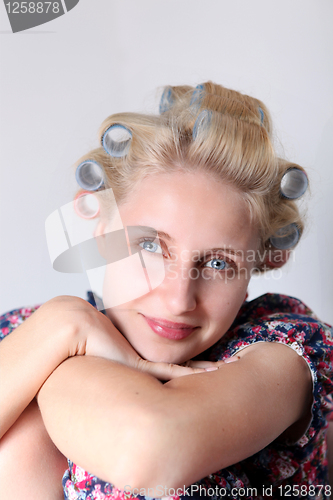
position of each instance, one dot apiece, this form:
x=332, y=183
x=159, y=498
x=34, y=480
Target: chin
x=167, y=354
x=162, y=354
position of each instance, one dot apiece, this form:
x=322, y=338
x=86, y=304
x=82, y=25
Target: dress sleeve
x=12, y=319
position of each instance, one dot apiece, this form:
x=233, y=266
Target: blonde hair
x=236, y=146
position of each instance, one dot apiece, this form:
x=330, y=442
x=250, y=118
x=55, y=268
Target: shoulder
x=14, y=318
x=277, y=318
x=275, y=306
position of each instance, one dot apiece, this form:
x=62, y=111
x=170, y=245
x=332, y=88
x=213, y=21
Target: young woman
x=181, y=387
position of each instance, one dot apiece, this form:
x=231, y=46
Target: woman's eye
x=218, y=264
x=150, y=246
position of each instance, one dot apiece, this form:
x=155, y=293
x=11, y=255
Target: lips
x=168, y=329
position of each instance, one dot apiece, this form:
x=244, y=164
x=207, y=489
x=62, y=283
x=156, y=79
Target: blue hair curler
x=286, y=237
x=294, y=183
x=89, y=175
x=116, y=140
x=197, y=95
x=167, y=100
x=201, y=123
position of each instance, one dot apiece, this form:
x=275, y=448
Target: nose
x=179, y=289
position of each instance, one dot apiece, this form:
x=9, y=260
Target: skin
x=27, y=452
x=180, y=440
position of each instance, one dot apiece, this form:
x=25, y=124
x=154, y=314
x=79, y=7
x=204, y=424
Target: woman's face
x=204, y=238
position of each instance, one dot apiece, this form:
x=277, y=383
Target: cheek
x=122, y=319
x=222, y=299
x=124, y=281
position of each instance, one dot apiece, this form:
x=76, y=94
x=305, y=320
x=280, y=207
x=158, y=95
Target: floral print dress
x=282, y=469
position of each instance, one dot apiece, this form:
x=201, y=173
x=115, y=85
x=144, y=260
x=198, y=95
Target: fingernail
x=211, y=369
x=232, y=359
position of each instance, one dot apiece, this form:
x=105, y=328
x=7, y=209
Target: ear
x=276, y=258
x=99, y=235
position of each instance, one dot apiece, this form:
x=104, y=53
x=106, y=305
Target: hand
x=94, y=334
x=168, y=371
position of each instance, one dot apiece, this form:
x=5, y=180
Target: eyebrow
x=225, y=250
x=166, y=236
x=155, y=233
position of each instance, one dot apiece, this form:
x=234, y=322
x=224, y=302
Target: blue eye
x=151, y=247
x=217, y=264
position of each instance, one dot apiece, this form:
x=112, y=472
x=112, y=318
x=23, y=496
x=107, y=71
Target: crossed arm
x=105, y=408
x=128, y=428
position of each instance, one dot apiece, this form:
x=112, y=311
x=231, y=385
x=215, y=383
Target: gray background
x=61, y=79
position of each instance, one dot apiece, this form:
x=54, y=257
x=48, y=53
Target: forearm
x=98, y=413
x=127, y=428
x=27, y=358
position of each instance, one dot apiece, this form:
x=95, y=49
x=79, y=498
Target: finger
x=167, y=371
x=203, y=364
x=232, y=359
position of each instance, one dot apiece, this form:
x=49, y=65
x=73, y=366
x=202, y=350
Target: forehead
x=195, y=209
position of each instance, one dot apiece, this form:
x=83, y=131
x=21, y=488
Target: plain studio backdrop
x=61, y=79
